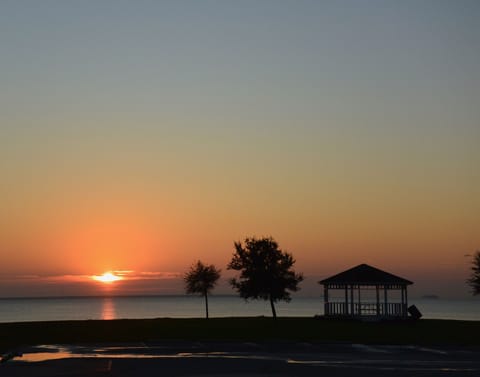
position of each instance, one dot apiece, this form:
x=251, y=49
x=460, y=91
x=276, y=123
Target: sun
x=107, y=277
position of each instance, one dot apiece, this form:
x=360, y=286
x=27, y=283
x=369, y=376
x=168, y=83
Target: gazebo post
x=325, y=300
x=406, y=301
x=385, y=312
x=352, y=307
x=345, y=309
x=359, y=301
x=401, y=301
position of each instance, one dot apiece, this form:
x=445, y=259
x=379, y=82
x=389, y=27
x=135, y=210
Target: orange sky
x=143, y=138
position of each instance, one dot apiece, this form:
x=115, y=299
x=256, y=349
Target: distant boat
x=430, y=297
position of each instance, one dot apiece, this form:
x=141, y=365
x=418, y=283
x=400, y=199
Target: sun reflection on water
x=108, y=308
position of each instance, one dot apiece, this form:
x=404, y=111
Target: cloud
x=158, y=275
x=125, y=274
x=132, y=283
x=146, y=275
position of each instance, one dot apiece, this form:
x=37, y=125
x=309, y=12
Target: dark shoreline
x=288, y=329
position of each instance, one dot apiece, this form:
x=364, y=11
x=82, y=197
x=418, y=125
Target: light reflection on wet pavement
x=302, y=359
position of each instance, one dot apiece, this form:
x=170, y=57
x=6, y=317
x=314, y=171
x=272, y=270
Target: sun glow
x=107, y=277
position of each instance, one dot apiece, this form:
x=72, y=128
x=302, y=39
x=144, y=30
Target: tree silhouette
x=266, y=271
x=201, y=279
x=474, y=280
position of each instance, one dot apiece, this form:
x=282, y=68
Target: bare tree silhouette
x=201, y=279
x=474, y=280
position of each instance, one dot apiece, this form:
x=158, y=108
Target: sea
x=182, y=306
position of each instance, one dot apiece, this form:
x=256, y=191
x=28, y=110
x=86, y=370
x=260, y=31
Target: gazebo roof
x=363, y=274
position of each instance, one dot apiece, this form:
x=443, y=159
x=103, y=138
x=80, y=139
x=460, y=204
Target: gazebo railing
x=365, y=309
x=335, y=308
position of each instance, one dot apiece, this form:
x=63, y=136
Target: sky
x=141, y=136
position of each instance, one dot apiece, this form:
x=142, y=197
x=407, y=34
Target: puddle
x=139, y=351
x=56, y=352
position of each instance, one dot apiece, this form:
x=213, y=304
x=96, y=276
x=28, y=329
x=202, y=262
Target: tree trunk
x=206, y=304
x=272, y=304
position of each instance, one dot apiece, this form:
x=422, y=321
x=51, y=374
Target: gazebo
x=358, y=285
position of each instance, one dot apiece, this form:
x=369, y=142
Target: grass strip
x=422, y=332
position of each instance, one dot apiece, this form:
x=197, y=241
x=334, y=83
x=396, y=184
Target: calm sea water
x=68, y=308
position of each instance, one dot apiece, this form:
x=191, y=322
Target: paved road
x=243, y=359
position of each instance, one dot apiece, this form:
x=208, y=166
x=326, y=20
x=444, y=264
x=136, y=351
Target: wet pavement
x=236, y=359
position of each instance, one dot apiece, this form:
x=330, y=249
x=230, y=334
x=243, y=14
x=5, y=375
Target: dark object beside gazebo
x=414, y=312
x=366, y=278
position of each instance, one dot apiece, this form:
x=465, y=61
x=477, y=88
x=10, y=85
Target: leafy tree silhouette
x=201, y=279
x=265, y=271
x=474, y=280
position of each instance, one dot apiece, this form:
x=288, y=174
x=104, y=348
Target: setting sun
x=107, y=277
